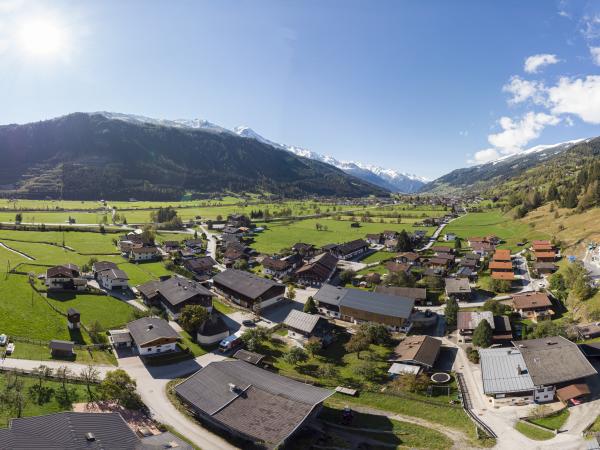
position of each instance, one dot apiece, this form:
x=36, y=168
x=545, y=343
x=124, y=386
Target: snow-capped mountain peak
x=391, y=179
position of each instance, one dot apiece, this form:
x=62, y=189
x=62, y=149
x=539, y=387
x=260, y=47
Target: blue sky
x=420, y=86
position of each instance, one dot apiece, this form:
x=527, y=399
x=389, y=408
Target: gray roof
x=177, y=290
x=56, y=344
x=374, y=302
x=329, y=294
x=148, y=329
x=301, y=320
x=500, y=371
x=248, y=356
x=101, y=266
x=457, y=286
x=468, y=320
x=67, y=431
x=553, y=360
x=208, y=389
x=245, y=283
x=404, y=292
x=263, y=405
x=116, y=274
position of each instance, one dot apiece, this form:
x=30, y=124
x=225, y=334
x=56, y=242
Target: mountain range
x=484, y=176
x=93, y=155
x=390, y=179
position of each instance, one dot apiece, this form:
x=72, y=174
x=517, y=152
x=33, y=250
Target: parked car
x=3, y=340
x=248, y=323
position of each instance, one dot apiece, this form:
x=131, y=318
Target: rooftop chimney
x=90, y=437
x=232, y=387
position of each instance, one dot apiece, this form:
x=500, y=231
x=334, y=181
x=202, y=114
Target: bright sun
x=42, y=37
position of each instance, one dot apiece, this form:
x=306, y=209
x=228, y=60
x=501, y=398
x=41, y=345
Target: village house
x=304, y=250
x=140, y=254
x=348, y=250
x=171, y=246
x=249, y=357
x=152, y=335
x=374, y=239
x=467, y=322
x=395, y=267
x=420, y=351
x=239, y=220
x=391, y=244
x=438, y=263
x=358, y=306
x=277, y=268
x=317, y=271
x=458, y=288
x=544, y=268
x=174, y=293
x=129, y=241
x=437, y=249
x=66, y=277
x=302, y=326
x=449, y=237
x=109, y=276
x=202, y=267
x=251, y=403
x=416, y=295
x=535, y=370
x=412, y=258
x=587, y=330
x=247, y=289
x=545, y=256
x=535, y=306
x=482, y=249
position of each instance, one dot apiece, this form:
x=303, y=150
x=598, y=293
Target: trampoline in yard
x=440, y=377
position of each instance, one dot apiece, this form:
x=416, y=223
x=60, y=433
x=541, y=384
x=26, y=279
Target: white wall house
x=143, y=254
x=152, y=335
x=113, y=279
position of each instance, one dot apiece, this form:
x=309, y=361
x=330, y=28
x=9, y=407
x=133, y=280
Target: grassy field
x=108, y=311
x=25, y=350
x=282, y=235
x=57, y=399
x=553, y=422
x=394, y=431
x=510, y=230
x=377, y=257
x=532, y=432
x=574, y=230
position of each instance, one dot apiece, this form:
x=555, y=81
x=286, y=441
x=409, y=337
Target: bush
x=472, y=355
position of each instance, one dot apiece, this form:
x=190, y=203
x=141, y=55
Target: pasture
x=510, y=230
x=280, y=235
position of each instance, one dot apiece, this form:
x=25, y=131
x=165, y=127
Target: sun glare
x=42, y=37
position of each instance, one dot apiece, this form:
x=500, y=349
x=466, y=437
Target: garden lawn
x=407, y=434
x=110, y=312
x=56, y=403
x=26, y=315
x=533, y=432
x=494, y=222
x=553, y=422
x=377, y=257
x=280, y=235
x=25, y=350
x=186, y=341
x=453, y=417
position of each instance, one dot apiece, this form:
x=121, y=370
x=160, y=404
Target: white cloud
x=590, y=26
x=535, y=62
x=580, y=97
x=463, y=133
x=484, y=156
x=522, y=90
x=516, y=134
x=595, y=52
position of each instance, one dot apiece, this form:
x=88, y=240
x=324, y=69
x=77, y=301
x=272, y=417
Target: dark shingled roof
x=56, y=344
x=263, y=405
x=373, y=302
x=101, y=266
x=149, y=329
x=63, y=271
x=301, y=321
x=352, y=246
x=177, y=290
x=67, y=431
x=405, y=292
x=553, y=360
x=213, y=325
x=244, y=283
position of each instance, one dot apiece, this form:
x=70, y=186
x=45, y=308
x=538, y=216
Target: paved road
x=436, y=234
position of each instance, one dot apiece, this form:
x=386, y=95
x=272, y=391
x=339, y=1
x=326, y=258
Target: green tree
x=358, y=342
x=451, y=311
x=192, y=316
x=90, y=375
x=310, y=307
x=347, y=275
x=313, y=346
x=500, y=285
x=495, y=307
x=295, y=356
x=376, y=333
x=254, y=337
x=117, y=385
x=457, y=243
x=482, y=336
x=18, y=217
x=410, y=383
x=367, y=370
x=291, y=292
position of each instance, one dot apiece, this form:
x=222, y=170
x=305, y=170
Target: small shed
x=249, y=357
x=62, y=348
x=213, y=330
x=74, y=318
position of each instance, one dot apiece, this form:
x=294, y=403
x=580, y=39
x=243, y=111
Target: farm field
x=283, y=235
x=494, y=222
x=26, y=350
